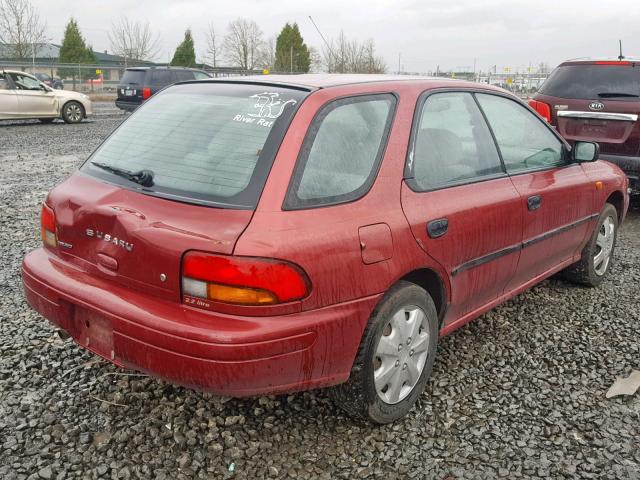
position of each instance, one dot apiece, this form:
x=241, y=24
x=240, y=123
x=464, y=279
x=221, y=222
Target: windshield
x=590, y=82
x=210, y=143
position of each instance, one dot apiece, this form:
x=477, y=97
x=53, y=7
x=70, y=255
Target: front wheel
x=72, y=112
x=597, y=255
x=395, y=357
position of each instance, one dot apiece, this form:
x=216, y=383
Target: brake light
x=146, y=92
x=542, y=108
x=241, y=280
x=48, y=226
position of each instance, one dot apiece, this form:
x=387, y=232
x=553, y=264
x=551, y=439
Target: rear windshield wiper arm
x=141, y=177
x=617, y=94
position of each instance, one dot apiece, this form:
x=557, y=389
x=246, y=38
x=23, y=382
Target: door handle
x=437, y=228
x=534, y=202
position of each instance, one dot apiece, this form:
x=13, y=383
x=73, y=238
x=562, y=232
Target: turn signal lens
x=242, y=280
x=542, y=108
x=48, y=226
x=146, y=92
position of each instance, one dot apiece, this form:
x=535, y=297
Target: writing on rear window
x=267, y=107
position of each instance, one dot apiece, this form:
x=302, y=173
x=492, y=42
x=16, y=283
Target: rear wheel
x=395, y=357
x=597, y=255
x=72, y=112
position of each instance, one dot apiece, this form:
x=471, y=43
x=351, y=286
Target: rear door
x=597, y=101
x=462, y=207
x=208, y=155
x=131, y=85
x=8, y=97
x=557, y=197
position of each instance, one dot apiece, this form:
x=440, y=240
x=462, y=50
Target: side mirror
x=585, y=152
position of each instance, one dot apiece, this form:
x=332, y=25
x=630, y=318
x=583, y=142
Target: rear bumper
x=630, y=166
x=224, y=354
x=128, y=106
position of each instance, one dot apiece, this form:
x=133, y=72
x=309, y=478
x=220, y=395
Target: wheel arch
x=431, y=281
x=616, y=199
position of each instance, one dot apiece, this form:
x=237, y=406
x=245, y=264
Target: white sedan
x=23, y=96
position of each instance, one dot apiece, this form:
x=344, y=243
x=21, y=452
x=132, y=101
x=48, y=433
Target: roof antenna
x=620, y=57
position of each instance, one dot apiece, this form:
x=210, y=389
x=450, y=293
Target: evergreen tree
x=185, y=55
x=292, y=54
x=75, y=50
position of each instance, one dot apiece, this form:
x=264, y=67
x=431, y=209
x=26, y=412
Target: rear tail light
x=48, y=226
x=542, y=108
x=241, y=280
x=146, y=92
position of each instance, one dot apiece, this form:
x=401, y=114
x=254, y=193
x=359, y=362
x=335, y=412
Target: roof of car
x=163, y=67
x=322, y=80
x=601, y=59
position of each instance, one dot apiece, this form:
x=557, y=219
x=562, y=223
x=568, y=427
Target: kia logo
x=596, y=106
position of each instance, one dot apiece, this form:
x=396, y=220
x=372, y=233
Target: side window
x=4, y=83
x=524, y=141
x=452, y=143
x=182, y=75
x=200, y=75
x=161, y=78
x=341, y=153
x=23, y=82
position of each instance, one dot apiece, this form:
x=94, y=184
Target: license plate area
x=128, y=92
x=95, y=332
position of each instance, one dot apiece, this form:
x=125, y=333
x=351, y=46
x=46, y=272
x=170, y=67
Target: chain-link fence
x=101, y=78
x=104, y=78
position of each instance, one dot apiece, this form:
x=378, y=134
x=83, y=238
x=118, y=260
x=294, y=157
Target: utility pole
x=291, y=54
x=399, y=56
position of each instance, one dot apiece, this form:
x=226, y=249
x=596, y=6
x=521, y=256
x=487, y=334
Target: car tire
x=597, y=255
x=46, y=120
x=72, y=112
x=392, y=356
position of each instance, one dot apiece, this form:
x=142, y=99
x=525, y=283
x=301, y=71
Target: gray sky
x=450, y=34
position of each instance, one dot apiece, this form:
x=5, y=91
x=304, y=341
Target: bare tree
x=20, y=28
x=243, y=43
x=317, y=63
x=133, y=40
x=350, y=56
x=213, y=46
x=268, y=54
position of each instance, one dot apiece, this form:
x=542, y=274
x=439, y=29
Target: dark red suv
x=272, y=234
x=599, y=101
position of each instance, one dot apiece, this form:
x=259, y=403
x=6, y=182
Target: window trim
x=291, y=199
x=564, y=146
x=415, y=124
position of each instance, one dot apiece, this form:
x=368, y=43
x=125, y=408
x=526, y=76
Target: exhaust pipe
x=63, y=334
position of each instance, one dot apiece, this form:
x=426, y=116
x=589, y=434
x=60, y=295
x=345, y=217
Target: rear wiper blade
x=141, y=177
x=617, y=94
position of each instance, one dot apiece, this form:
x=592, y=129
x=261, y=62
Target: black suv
x=139, y=83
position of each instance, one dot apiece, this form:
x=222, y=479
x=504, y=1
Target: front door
x=34, y=99
x=557, y=197
x=462, y=207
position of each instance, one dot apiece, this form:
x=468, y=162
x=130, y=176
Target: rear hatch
x=184, y=172
x=596, y=101
x=131, y=85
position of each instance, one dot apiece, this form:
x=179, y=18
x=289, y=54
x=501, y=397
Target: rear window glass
x=591, y=82
x=133, y=76
x=207, y=143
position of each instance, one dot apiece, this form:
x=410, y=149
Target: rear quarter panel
x=324, y=241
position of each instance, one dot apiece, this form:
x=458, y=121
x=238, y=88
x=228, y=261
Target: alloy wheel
x=74, y=112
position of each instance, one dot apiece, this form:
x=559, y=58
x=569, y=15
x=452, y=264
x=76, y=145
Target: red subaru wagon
x=274, y=234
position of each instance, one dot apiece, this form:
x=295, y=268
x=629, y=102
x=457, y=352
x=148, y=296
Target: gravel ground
x=519, y=393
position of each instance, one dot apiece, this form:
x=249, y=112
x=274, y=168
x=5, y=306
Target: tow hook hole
x=86, y=322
